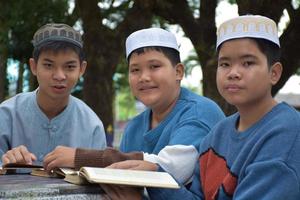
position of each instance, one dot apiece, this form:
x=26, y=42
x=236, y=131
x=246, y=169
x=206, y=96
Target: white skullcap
x=253, y=26
x=150, y=37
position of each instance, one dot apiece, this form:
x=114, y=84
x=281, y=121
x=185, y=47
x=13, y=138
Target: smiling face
x=57, y=73
x=243, y=75
x=153, y=79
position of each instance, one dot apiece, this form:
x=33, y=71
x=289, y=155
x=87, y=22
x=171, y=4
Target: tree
x=19, y=20
x=3, y=49
x=104, y=46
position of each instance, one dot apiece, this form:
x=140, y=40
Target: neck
x=51, y=107
x=251, y=114
x=158, y=114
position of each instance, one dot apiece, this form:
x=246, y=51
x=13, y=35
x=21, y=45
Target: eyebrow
x=148, y=61
x=68, y=62
x=225, y=58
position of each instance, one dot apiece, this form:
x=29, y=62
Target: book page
x=129, y=177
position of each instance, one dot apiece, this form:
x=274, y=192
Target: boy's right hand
x=61, y=156
x=18, y=154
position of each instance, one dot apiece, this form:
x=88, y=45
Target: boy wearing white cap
x=254, y=153
x=32, y=124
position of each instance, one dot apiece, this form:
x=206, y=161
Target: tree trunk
x=104, y=48
x=3, y=75
x=19, y=88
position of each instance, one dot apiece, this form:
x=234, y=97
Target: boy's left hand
x=135, y=165
x=116, y=192
x=61, y=156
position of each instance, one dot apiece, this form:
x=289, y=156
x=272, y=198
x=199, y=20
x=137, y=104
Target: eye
x=223, y=64
x=248, y=63
x=133, y=70
x=70, y=67
x=154, y=66
x=47, y=65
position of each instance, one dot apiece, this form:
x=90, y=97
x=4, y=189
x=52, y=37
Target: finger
x=33, y=157
x=18, y=155
x=128, y=164
x=5, y=160
x=10, y=158
x=47, y=162
x=25, y=154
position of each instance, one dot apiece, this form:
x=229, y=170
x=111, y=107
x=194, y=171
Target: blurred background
x=106, y=24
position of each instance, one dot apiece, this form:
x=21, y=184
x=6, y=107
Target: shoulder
x=284, y=116
x=201, y=108
x=18, y=100
x=200, y=102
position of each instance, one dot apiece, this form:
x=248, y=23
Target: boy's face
x=57, y=73
x=153, y=79
x=243, y=76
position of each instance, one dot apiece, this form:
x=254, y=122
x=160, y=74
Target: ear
x=33, y=65
x=275, y=73
x=179, y=71
x=83, y=67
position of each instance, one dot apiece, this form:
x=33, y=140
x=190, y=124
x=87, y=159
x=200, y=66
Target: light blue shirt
x=23, y=123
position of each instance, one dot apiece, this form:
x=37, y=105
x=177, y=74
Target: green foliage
x=125, y=104
x=125, y=101
x=26, y=17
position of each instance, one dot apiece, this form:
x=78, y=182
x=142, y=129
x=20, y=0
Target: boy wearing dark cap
x=33, y=124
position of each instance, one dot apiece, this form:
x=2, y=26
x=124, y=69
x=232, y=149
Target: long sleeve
x=102, y=158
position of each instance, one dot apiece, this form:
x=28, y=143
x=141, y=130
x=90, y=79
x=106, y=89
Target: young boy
x=32, y=124
x=170, y=130
x=253, y=154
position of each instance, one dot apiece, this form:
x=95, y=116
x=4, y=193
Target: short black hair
x=271, y=50
x=172, y=54
x=56, y=46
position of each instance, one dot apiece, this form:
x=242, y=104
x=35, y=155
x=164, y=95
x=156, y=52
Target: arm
x=18, y=154
x=177, y=160
x=99, y=138
x=76, y=158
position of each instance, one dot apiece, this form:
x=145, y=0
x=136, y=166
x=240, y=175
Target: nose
x=144, y=76
x=58, y=74
x=234, y=73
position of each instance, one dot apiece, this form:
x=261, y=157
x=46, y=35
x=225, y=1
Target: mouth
x=147, y=88
x=233, y=88
x=59, y=88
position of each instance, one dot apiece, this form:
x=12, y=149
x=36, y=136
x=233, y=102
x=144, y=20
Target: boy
x=32, y=124
x=253, y=154
x=170, y=130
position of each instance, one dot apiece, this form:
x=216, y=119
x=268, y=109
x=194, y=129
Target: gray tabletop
x=24, y=186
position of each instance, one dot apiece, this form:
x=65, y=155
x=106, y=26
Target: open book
x=90, y=175
x=122, y=177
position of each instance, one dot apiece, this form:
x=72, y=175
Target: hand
x=18, y=154
x=135, y=165
x=61, y=156
x=116, y=192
